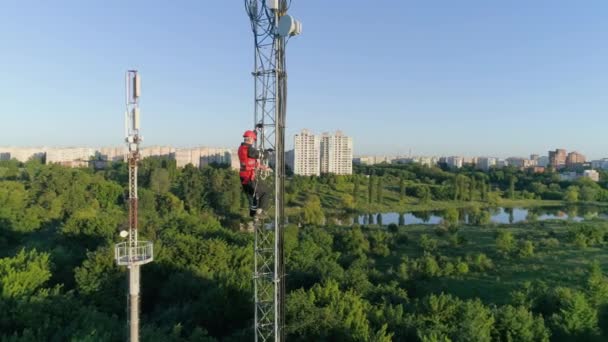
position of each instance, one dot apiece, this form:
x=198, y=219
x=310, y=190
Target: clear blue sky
x=440, y=77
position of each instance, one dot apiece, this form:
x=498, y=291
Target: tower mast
x=272, y=27
x=133, y=253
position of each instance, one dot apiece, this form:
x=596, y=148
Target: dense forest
x=533, y=281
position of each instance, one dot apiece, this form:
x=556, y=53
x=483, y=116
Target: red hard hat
x=250, y=134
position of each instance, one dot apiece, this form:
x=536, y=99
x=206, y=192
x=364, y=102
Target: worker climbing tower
x=272, y=27
x=133, y=253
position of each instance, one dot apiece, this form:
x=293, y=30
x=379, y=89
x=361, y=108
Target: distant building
x=455, y=162
x=336, y=154
x=23, y=154
x=203, y=156
x=72, y=157
x=591, y=174
x=157, y=151
x=534, y=157
x=568, y=176
x=111, y=154
x=485, y=163
x=402, y=160
x=469, y=160
x=557, y=158
x=219, y=156
x=521, y=163
x=5, y=156
x=428, y=161
x=372, y=160
x=574, y=159
x=543, y=161
x=307, y=154
x=572, y=175
x=515, y=162
x=538, y=169
x=601, y=164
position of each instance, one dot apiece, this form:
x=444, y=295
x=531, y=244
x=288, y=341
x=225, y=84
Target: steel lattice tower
x=271, y=28
x=133, y=253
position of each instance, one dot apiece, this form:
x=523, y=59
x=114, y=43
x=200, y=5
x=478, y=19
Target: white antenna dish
x=289, y=26
x=124, y=234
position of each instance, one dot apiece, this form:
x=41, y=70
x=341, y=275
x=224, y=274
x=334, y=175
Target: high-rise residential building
x=336, y=154
x=307, y=154
x=575, y=158
x=557, y=158
x=485, y=163
x=534, y=157
x=455, y=162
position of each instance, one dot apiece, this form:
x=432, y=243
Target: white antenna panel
x=135, y=118
x=136, y=86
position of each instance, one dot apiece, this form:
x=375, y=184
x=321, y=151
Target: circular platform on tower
x=141, y=253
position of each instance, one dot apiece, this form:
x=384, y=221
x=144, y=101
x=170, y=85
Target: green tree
x=370, y=190
x=572, y=194
x=597, y=285
x=512, y=181
x=424, y=193
x=379, y=191
x=505, y=242
x=401, y=189
x=427, y=244
x=451, y=216
x=312, y=211
x=325, y=313
x=100, y=281
x=518, y=324
x=589, y=193
x=24, y=274
x=526, y=249
x=159, y=181
x=190, y=188
x=575, y=319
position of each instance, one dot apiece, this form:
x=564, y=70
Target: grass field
x=564, y=264
x=332, y=201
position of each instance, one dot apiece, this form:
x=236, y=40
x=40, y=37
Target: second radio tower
x=133, y=253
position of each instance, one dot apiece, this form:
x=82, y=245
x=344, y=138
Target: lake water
x=495, y=215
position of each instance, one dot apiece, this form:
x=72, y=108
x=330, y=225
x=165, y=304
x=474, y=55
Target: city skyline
x=516, y=76
x=356, y=153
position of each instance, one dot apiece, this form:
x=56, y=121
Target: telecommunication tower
x=272, y=27
x=133, y=253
